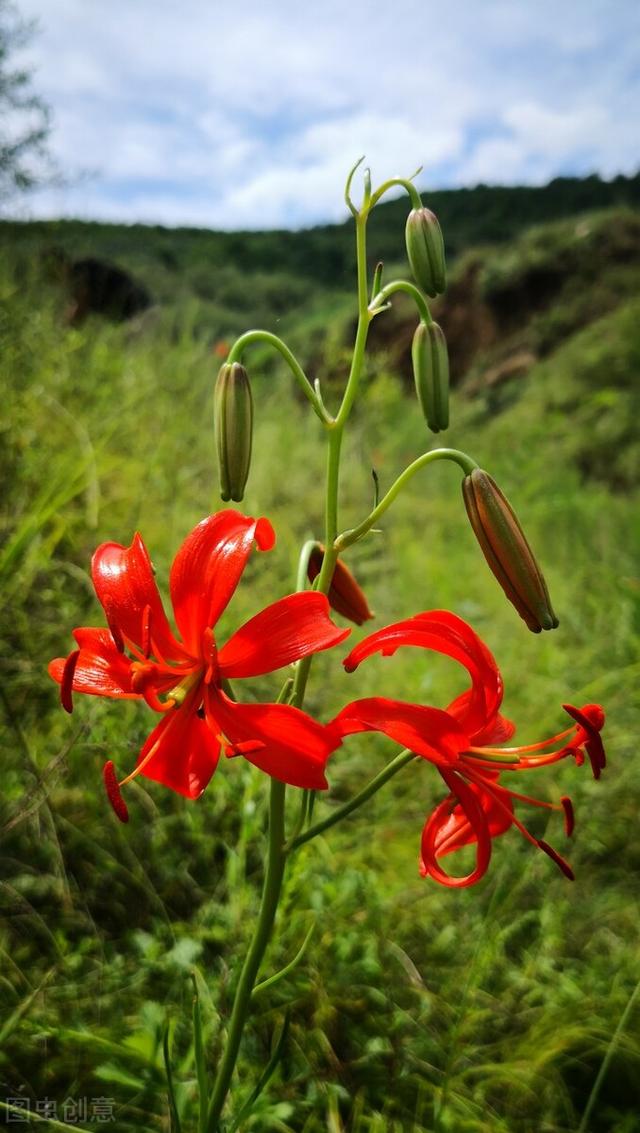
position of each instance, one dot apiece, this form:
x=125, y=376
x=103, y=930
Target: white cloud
x=229, y=115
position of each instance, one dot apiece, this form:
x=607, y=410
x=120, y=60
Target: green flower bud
x=431, y=373
x=233, y=422
x=507, y=551
x=425, y=249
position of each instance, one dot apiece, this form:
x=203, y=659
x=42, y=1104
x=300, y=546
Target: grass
x=511, y=1007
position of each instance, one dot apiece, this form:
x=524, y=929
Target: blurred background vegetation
x=506, y=1008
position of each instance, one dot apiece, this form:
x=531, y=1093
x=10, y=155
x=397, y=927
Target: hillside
x=207, y=273
x=505, y=1008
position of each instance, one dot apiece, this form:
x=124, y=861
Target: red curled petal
x=100, y=669
x=428, y=732
x=186, y=753
x=289, y=629
x=124, y=582
x=208, y=567
x=444, y=632
x=457, y=831
x=112, y=788
x=295, y=748
x=473, y=828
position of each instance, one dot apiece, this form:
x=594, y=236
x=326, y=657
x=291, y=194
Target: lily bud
x=233, y=421
x=345, y=596
x=425, y=249
x=431, y=373
x=507, y=551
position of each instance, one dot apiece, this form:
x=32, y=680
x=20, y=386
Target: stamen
x=66, y=684
x=153, y=700
x=146, y=631
x=495, y=791
x=557, y=858
x=590, y=720
x=525, y=747
x=113, y=791
x=150, y=754
x=569, y=817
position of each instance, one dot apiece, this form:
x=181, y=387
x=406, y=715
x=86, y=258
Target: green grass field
x=511, y=1007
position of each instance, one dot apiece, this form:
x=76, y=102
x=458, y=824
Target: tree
x=24, y=116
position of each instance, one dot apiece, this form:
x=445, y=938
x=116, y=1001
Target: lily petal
x=446, y=633
x=497, y=729
x=456, y=831
x=208, y=568
x=186, y=754
x=100, y=670
x=124, y=582
x=428, y=732
x=281, y=740
x=284, y=632
x=459, y=820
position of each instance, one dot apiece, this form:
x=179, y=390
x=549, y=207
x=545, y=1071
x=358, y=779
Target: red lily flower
x=461, y=743
x=182, y=677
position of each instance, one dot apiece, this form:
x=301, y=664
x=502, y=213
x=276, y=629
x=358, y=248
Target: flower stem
x=270, y=895
x=341, y=812
x=277, y=852
x=380, y=298
x=402, y=182
x=352, y=536
x=252, y=336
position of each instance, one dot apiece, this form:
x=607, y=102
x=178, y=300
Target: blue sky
x=248, y=115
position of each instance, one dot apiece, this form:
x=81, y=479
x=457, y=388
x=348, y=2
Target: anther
x=113, y=791
x=66, y=684
x=557, y=858
x=569, y=817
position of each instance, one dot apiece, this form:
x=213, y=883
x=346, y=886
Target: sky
x=249, y=115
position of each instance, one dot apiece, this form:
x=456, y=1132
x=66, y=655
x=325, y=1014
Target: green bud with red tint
x=233, y=422
x=345, y=595
x=507, y=551
x=425, y=249
x=431, y=373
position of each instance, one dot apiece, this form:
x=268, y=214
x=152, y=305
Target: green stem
x=341, y=812
x=270, y=895
x=347, y=189
x=364, y=318
x=466, y=463
x=410, y=289
x=277, y=854
x=252, y=336
x=611, y=1049
x=405, y=183
x=302, y=581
